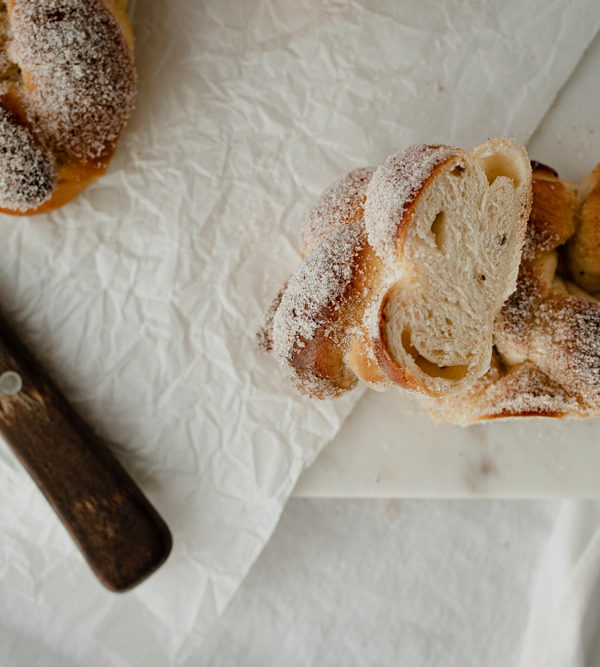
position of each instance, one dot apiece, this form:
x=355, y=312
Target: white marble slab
x=389, y=447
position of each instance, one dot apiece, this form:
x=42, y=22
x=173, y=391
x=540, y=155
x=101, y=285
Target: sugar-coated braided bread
x=406, y=267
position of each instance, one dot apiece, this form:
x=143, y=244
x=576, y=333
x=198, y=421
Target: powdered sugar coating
x=264, y=335
x=340, y=204
x=526, y=391
x=561, y=379
x=568, y=345
x=513, y=323
x=27, y=173
x=312, y=302
x=78, y=72
x=518, y=391
x=394, y=186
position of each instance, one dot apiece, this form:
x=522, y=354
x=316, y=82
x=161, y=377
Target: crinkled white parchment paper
x=142, y=297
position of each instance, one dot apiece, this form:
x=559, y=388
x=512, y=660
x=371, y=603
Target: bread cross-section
x=450, y=227
x=406, y=267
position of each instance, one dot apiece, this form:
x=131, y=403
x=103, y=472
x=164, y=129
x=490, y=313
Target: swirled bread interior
x=546, y=360
x=406, y=267
x=456, y=255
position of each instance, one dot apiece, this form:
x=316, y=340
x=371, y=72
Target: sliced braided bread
x=406, y=267
x=547, y=336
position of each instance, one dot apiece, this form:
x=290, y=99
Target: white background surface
x=351, y=583
x=381, y=582
x=388, y=583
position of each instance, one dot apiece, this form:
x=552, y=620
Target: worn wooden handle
x=118, y=531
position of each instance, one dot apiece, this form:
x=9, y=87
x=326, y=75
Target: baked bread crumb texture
x=471, y=279
x=67, y=89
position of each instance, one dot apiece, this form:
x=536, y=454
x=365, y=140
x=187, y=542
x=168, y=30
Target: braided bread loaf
x=546, y=359
x=406, y=267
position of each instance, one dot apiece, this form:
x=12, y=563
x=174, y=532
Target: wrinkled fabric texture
x=389, y=582
x=398, y=583
x=564, y=621
x=384, y=582
x=142, y=297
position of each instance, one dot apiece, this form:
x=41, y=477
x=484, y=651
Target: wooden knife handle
x=116, y=528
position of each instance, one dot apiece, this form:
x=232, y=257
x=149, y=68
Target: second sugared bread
x=67, y=89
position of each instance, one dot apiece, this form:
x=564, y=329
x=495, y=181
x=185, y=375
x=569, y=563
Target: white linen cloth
x=564, y=622
x=427, y=582
x=253, y=109
x=389, y=583
x=347, y=582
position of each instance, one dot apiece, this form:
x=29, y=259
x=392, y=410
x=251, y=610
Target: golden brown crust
x=409, y=368
x=504, y=392
x=335, y=338
x=397, y=374
x=552, y=218
x=411, y=204
x=321, y=301
x=319, y=367
x=565, y=345
x=393, y=194
x=316, y=331
x=360, y=357
x=390, y=214
x=583, y=249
